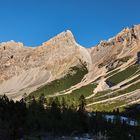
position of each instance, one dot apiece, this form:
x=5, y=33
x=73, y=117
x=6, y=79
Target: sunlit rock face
x=106, y=53
x=23, y=69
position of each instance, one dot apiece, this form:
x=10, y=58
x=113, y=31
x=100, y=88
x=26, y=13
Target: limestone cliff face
x=23, y=68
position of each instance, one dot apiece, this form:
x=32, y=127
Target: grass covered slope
x=122, y=75
x=111, y=99
x=129, y=89
x=73, y=97
x=131, y=81
x=107, y=107
x=113, y=104
x=112, y=73
x=74, y=76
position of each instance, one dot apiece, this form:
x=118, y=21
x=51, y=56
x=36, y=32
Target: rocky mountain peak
x=25, y=69
x=126, y=44
x=65, y=38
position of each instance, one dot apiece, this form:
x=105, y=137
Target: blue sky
x=35, y=21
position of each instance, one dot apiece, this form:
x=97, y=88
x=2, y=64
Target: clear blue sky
x=35, y=21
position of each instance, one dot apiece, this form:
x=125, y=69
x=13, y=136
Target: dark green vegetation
x=131, y=88
x=133, y=111
x=108, y=106
x=19, y=120
x=74, y=76
x=131, y=81
x=111, y=73
x=98, y=96
x=73, y=97
x=122, y=75
x=102, y=93
x=116, y=78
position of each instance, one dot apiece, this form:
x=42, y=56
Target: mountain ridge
x=25, y=69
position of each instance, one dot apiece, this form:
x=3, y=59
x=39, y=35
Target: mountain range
x=108, y=74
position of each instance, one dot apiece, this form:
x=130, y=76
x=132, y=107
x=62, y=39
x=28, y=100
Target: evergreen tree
x=82, y=103
x=63, y=105
x=55, y=109
x=42, y=99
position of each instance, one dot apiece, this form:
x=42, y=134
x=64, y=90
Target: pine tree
x=63, y=105
x=82, y=103
x=42, y=99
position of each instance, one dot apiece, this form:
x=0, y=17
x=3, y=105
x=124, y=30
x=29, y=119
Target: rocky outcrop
x=110, y=54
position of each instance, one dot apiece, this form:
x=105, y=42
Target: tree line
x=25, y=117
